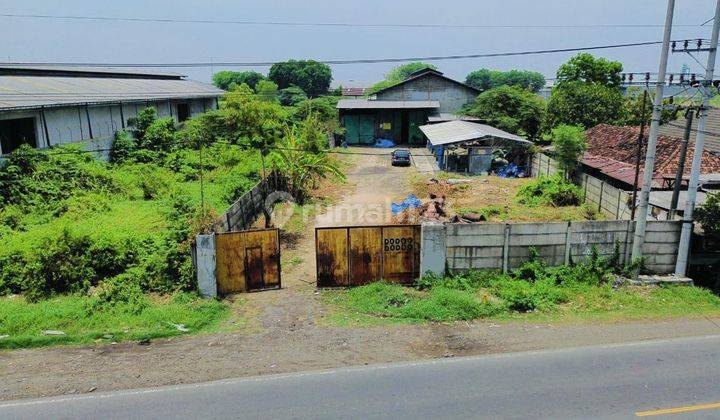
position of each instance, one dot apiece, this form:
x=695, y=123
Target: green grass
x=382, y=303
x=23, y=322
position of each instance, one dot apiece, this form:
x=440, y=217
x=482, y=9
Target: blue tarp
x=384, y=143
x=410, y=202
x=511, y=171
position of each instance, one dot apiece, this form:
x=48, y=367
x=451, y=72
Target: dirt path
x=283, y=333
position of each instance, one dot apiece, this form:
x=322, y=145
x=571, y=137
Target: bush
x=550, y=190
x=122, y=147
x=708, y=215
x=119, y=294
x=522, y=296
x=446, y=304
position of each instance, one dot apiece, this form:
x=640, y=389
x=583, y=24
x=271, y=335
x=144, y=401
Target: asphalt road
x=614, y=381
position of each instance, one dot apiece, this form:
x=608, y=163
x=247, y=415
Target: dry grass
x=495, y=198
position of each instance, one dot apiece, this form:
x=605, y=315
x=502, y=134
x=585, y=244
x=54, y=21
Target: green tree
x=587, y=68
x=398, y=74
x=585, y=104
x=267, y=91
x=224, y=79
x=708, y=215
x=138, y=125
x=311, y=76
x=159, y=136
x=291, y=96
x=587, y=93
x=485, y=79
x=510, y=108
x=243, y=118
x=633, y=105
x=569, y=144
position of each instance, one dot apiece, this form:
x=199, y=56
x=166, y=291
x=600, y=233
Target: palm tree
x=296, y=160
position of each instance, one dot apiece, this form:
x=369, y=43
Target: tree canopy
x=587, y=93
x=291, y=96
x=311, y=76
x=398, y=74
x=224, y=79
x=587, y=68
x=485, y=79
x=510, y=108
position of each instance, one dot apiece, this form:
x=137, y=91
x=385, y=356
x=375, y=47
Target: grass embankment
x=534, y=292
x=497, y=199
x=22, y=323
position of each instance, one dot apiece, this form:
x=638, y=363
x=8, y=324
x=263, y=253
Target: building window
x=16, y=132
x=183, y=112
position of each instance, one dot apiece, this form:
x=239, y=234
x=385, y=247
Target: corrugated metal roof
x=460, y=131
x=424, y=73
x=46, y=69
x=676, y=128
x=22, y=92
x=370, y=104
x=443, y=117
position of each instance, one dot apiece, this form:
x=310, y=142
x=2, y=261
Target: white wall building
x=48, y=106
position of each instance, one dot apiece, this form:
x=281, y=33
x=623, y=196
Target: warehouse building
x=397, y=112
x=45, y=106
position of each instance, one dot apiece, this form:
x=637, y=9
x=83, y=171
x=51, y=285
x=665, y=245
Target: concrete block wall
x=498, y=246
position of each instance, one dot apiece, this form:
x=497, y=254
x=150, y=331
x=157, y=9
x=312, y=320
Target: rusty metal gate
x=247, y=260
x=356, y=255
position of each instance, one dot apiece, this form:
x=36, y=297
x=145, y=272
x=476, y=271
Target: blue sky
x=66, y=40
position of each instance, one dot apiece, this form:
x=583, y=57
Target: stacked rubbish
x=413, y=210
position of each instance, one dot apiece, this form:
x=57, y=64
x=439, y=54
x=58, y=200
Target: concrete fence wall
x=506, y=246
x=246, y=209
x=612, y=202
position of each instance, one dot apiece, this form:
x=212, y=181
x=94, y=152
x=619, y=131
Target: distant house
x=354, y=92
x=47, y=106
x=397, y=112
x=612, y=153
x=464, y=146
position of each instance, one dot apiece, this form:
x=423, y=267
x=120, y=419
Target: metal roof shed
x=453, y=132
x=373, y=104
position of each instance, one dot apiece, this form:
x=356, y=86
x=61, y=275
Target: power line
x=340, y=62
x=339, y=24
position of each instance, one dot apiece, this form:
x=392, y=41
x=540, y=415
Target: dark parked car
x=401, y=157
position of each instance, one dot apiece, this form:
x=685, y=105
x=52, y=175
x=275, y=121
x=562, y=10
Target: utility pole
x=687, y=227
x=641, y=222
x=681, y=165
x=640, y=142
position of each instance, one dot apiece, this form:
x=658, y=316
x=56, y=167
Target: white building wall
x=70, y=124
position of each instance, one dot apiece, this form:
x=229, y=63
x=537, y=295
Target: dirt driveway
x=281, y=331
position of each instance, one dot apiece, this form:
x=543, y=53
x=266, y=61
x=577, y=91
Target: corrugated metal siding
x=712, y=139
x=451, y=95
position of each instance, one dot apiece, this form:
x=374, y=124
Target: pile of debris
x=435, y=209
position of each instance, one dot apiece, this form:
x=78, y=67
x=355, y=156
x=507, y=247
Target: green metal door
x=415, y=120
x=359, y=129
x=351, y=129
x=366, y=129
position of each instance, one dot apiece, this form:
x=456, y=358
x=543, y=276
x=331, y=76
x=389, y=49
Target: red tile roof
x=613, y=150
x=354, y=91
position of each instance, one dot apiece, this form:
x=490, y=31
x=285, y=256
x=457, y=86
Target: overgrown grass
x=534, y=292
x=22, y=323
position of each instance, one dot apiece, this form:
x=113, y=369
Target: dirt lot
x=282, y=331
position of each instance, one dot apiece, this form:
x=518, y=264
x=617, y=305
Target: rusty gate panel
x=401, y=254
x=247, y=260
x=357, y=255
x=331, y=250
x=365, y=255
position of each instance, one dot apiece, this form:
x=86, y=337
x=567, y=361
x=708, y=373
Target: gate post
x=433, y=250
x=206, y=263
